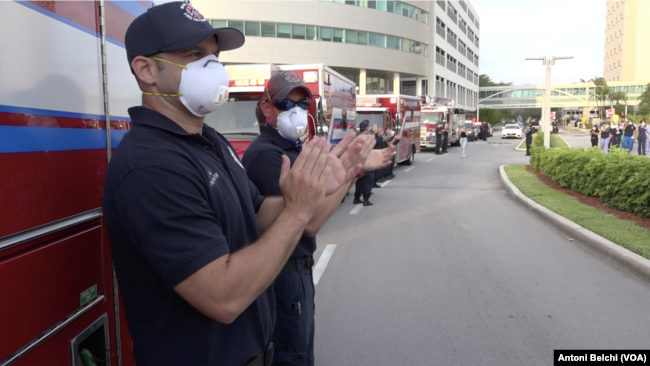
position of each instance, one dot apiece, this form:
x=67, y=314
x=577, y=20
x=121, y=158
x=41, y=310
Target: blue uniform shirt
x=263, y=162
x=174, y=202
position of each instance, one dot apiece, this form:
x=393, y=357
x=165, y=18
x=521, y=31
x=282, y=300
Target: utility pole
x=546, y=110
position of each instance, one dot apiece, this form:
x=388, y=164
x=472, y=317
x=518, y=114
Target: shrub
x=620, y=179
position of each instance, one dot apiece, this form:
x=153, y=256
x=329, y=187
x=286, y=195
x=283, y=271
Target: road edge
x=612, y=252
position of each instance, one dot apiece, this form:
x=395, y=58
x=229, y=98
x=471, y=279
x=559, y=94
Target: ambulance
x=331, y=113
x=66, y=87
x=399, y=114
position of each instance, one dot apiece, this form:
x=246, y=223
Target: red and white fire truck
x=397, y=113
x=331, y=113
x=440, y=110
x=63, y=74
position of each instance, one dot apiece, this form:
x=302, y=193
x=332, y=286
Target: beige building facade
x=627, y=41
x=383, y=46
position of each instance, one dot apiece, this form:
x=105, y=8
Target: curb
x=567, y=144
x=612, y=252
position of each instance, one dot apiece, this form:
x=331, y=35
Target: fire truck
x=440, y=110
x=331, y=113
x=66, y=87
x=397, y=113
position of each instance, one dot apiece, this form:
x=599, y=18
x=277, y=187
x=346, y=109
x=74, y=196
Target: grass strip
x=622, y=232
x=557, y=142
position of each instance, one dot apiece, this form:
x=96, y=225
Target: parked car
x=472, y=131
x=511, y=131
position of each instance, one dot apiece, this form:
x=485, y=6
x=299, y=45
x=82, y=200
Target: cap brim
x=282, y=94
x=227, y=39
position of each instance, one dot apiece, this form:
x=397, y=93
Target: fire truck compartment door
x=41, y=286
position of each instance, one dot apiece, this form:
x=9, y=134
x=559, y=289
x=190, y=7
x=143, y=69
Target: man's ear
x=145, y=70
x=266, y=109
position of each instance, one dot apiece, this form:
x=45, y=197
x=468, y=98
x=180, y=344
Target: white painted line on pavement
x=385, y=184
x=409, y=169
x=356, y=209
x=319, y=268
x=429, y=160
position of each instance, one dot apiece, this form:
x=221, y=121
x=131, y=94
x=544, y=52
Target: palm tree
x=645, y=99
x=618, y=96
x=602, y=91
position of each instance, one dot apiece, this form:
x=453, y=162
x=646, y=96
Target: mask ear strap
x=160, y=94
x=169, y=62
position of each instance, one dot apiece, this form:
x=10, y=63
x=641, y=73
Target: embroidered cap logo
x=192, y=14
x=291, y=77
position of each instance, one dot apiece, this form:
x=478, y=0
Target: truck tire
x=409, y=160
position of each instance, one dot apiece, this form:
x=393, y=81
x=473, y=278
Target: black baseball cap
x=282, y=84
x=364, y=124
x=174, y=26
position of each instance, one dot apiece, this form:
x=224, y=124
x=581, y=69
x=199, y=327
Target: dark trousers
x=641, y=147
x=594, y=141
x=438, y=144
x=293, y=335
x=445, y=142
x=529, y=141
x=363, y=186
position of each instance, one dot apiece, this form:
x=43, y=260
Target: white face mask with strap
x=203, y=87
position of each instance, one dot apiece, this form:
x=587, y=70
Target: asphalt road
x=446, y=269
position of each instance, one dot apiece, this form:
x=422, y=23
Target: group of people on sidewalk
x=614, y=134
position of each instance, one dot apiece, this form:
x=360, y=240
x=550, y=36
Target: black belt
x=264, y=359
x=297, y=264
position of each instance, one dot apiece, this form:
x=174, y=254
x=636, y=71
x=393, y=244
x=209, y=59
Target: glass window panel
x=298, y=31
x=349, y=2
x=398, y=43
x=372, y=4
x=406, y=45
x=390, y=6
x=219, y=23
x=417, y=13
x=268, y=29
x=424, y=18
x=372, y=39
x=362, y=3
x=237, y=24
x=339, y=1
x=253, y=29
x=390, y=42
x=412, y=12
x=381, y=5
x=350, y=36
x=284, y=30
x=405, y=9
x=338, y=35
x=325, y=34
x=312, y=32
x=362, y=37
x=381, y=40
x=398, y=8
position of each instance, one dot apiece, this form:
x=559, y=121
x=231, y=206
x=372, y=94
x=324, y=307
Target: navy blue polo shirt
x=263, y=162
x=174, y=202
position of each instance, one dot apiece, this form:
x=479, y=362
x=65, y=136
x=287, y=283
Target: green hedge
x=619, y=179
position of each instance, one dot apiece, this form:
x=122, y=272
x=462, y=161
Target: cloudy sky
x=512, y=30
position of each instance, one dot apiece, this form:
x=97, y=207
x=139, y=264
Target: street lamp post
x=546, y=110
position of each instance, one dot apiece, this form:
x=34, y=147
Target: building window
x=298, y=31
x=372, y=39
x=312, y=32
x=350, y=36
x=338, y=35
x=252, y=29
x=284, y=30
x=268, y=29
x=452, y=13
x=381, y=40
x=237, y=24
x=390, y=42
x=441, y=3
x=362, y=37
x=325, y=34
x=219, y=23
x=440, y=27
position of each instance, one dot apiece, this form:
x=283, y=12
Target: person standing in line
x=594, y=136
x=605, y=137
x=445, y=137
x=439, y=138
x=463, y=139
x=616, y=136
x=529, y=137
x=642, y=136
x=628, y=136
x=485, y=130
x=363, y=185
x=379, y=144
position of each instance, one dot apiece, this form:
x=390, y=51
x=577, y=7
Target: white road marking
x=356, y=209
x=319, y=268
x=429, y=160
x=385, y=184
x=409, y=169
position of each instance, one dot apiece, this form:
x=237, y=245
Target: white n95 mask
x=203, y=86
x=292, y=124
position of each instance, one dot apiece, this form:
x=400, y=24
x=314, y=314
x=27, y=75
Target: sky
x=512, y=30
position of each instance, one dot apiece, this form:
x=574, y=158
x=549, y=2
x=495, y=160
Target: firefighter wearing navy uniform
x=529, y=130
x=439, y=137
x=363, y=186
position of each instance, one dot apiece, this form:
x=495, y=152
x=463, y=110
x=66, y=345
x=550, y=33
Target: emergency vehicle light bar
x=369, y=105
x=251, y=82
